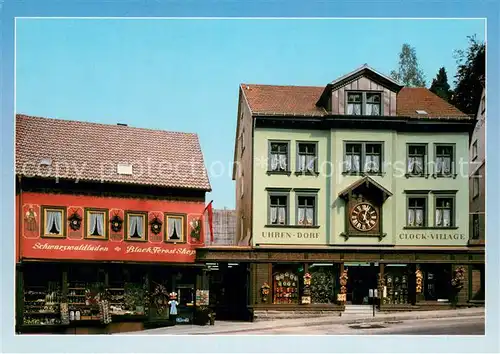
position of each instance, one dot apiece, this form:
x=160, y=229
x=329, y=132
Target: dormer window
x=354, y=104
x=373, y=104
x=364, y=103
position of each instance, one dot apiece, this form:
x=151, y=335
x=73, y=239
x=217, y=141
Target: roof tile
x=92, y=151
x=301, y=100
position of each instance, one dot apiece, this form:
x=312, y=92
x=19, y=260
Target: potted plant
x=211, y=317
x=202, y=315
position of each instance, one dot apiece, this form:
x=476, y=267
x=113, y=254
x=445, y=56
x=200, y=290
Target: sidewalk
x=226, y=327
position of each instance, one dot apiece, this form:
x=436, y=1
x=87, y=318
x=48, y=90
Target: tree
x=440, y=85
x=409, y=73
x=470, y=75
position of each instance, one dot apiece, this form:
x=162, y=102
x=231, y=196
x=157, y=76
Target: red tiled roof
x=301, y=100
x=283, y=99
x=91, y=151
x=411, y=99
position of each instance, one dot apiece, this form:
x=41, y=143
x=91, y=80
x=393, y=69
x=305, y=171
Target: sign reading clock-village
x=430, y=236
x=289, y=235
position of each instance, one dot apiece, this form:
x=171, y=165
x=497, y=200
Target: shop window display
x=396, y=289
x=126, y=293
x=85, y=291
x=42, y=299
x=286, y=283
x=323, y=283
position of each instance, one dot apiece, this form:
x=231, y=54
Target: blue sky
x=183, y=75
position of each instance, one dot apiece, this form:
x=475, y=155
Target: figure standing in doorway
x=173, y=307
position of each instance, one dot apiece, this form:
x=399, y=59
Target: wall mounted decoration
x=264, y=292
x=419, y=280
x=342, y=297
x=306, y=294
x=31, y=221
x=156, y=225
x=195, y=225
x=116, y=222
x=75, y=220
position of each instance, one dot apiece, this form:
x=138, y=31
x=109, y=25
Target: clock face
x=363, y=217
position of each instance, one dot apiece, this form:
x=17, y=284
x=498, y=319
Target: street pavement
x=449, y=322
x=436, y=326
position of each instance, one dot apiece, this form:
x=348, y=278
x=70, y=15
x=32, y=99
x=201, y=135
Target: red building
x=108, y=222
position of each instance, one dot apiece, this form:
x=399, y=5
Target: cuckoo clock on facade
x=116, y=223
x=364, y=216
x=75, y=221
x=155, y=225
x=363, y=208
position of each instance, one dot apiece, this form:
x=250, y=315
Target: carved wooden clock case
x=364, y=201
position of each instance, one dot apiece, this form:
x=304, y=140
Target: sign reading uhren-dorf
x=290, y=235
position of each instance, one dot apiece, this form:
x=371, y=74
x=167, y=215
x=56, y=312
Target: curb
x=343, y=320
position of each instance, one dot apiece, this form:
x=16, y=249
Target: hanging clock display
x=75, y=221
x=116, y=223
x=155, y=225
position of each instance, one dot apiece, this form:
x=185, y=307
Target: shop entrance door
x=229, y=291
x=360, y=283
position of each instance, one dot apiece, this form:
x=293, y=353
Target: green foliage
x=408, y=73
x=470, y=75
x=202, y=315
x=440, y=85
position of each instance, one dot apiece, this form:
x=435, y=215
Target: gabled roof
x=411, y=99
x=307, y=101
x=366, y=70
x=92, y=152
x=293, y=100
x=301, y=101
x=368, y=182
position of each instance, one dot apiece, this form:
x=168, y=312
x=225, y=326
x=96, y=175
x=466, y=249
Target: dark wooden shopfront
x=396, y=268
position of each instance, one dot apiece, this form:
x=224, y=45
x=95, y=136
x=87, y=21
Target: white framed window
x=136, y=226
x=279, y=156
x=417, y=160
x=306, y=210
x=278, y=208
x=366, y=157
x=307, y=157
x=416, y=212
x=444, y=161
x=445, y=212
x=54, y=222
x=364, y=103
x=96, y=224
x=176, y=228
